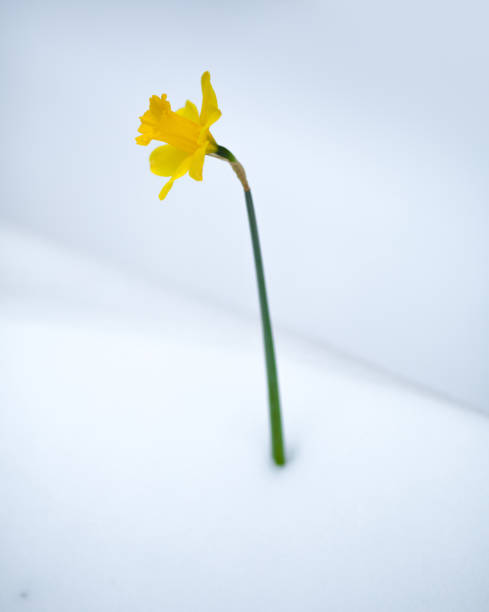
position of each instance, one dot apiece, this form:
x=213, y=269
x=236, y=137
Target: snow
x=135, y=473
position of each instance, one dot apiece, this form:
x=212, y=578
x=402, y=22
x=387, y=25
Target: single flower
x=186, y=133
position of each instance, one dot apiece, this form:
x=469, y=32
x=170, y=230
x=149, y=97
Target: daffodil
x=189, y=140
x=186, y=133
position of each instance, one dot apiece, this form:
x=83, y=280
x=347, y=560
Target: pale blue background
x=364, y=130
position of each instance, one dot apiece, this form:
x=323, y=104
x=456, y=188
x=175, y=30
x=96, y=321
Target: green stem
x=277, y=438
x=278, y=451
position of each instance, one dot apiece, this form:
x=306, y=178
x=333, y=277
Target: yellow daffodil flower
x=186, y=133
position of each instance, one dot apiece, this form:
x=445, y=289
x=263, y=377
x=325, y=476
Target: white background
x=364, y=130
x=135, y=472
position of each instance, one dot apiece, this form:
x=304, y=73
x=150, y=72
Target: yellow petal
x=182, y=169
x=166, y=189
x=210, y=112
x=166, y=160
x=197, y=163
x=189, y=111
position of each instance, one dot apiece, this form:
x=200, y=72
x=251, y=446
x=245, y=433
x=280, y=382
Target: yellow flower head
x=186, y=132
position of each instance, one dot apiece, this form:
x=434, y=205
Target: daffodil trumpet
x=188, y=140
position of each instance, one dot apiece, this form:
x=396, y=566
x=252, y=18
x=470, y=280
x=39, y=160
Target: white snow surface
x=135, y=477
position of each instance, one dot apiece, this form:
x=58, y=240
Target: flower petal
x=166, y=160
x=189, y=111
x=210, y=112
x=164, y=192
x=182, y=169
x=197, y=163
